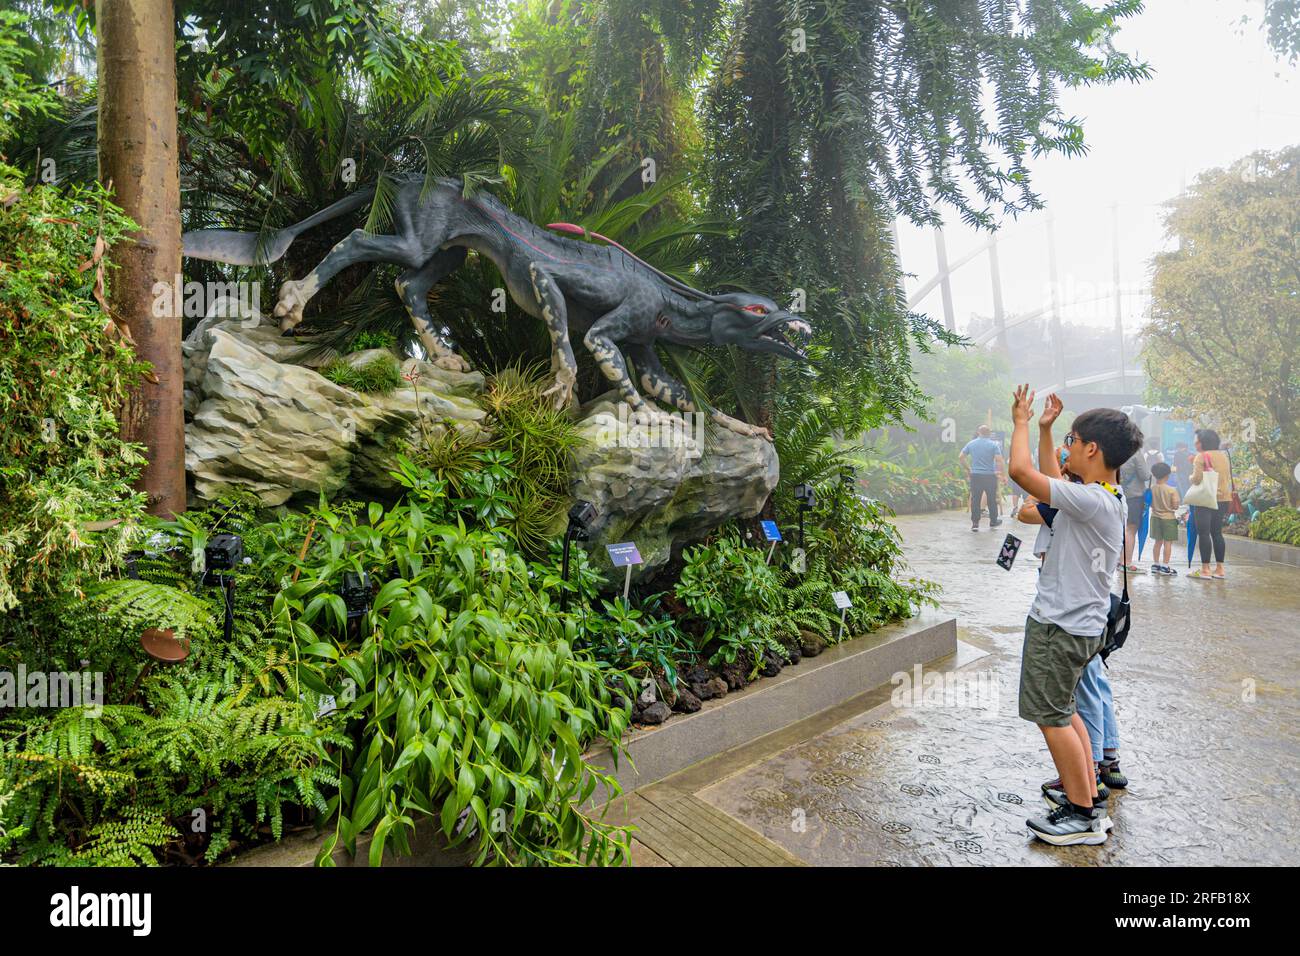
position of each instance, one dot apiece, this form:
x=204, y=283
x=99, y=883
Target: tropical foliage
x=760, y=145
x=1280, y=524
x=1225, y=312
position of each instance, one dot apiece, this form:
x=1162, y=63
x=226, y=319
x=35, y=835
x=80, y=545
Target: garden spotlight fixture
x=163, y=645
x=807, y=498
x=582, y=518
x=355, y=593
x=223, y=553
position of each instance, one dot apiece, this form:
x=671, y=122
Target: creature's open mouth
x=777, y=335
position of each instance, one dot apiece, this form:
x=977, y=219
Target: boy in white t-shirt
x=1066, y=626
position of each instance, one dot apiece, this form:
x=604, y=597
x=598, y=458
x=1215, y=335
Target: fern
x=150, y=604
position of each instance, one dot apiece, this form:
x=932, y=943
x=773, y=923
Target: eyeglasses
x=1069, y=439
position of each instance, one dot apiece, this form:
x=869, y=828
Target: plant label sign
x=772, y=534
x=624, y=555
x=842, y=602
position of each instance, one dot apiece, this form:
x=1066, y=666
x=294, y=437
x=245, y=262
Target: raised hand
x=1022, y=405
x=1052, y=408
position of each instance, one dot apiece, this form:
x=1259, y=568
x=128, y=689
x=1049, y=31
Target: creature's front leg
x=359, y=246
x=656, y=381
x=600, y=341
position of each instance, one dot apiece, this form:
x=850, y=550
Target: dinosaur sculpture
x=619, y=304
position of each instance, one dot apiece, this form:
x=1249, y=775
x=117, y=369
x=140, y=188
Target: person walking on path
x=1134, y=475
x=982, y=461
x=1209, y=519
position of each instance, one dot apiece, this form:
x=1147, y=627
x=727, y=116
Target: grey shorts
x=1051, y=664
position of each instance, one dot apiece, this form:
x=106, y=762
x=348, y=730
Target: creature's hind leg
x=556, y=316
x=413, y=286
x=359, y=246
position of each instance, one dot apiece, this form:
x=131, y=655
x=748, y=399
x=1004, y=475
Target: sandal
x=1199, y=576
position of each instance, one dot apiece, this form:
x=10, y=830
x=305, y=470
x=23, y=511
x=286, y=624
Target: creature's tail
x=263, y=248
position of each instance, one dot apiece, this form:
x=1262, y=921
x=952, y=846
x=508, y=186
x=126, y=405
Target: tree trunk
x=137, y=154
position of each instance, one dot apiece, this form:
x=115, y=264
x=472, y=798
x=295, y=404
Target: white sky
x=1218, y=93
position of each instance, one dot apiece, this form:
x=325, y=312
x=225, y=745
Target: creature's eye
x=757, y=309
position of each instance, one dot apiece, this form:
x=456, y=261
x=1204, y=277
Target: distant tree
x=1282, y=24
x=825, y=120
x=1224, y=336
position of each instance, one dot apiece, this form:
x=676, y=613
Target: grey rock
x=260, y=423
x=665, y=485
x=656, y=713
x=687, y=703
x=716, y=687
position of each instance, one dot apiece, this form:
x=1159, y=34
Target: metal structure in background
x=942, y=281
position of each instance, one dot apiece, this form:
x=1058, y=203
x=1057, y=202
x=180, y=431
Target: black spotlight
x=582, y=517
x=356, y=597
x=807, y=499
x=224, y=553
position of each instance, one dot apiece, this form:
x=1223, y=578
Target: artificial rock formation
x=667, y=483
x=261, y=424
x=261, y=421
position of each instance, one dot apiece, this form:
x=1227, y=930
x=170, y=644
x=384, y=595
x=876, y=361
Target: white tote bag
x=1206, y=494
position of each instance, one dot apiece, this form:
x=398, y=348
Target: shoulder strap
x=1123, y=535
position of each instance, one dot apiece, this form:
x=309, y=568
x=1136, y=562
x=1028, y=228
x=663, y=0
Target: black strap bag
x=1120, y=617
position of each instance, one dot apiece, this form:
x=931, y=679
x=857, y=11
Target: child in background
x=1164, y=518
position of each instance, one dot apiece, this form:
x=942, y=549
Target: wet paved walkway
x=1206, y=697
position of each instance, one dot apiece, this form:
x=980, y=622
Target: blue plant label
x=841, y=599
x=771, y=531
x=623, y=555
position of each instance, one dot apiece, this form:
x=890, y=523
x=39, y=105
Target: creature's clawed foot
x=289, y=309
x=451, y=362
x=563, y=393
x=742, y=428
x=651, y=416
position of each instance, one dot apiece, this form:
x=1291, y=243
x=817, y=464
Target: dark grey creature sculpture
x=618, y=303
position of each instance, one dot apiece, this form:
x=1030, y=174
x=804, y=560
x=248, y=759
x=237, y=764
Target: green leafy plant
x=469, y=703
x=380, y=375
x=1280, y=524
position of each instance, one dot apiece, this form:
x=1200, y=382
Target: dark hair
x=1115, y=433
x=1160, y=470
x=1209, y=439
